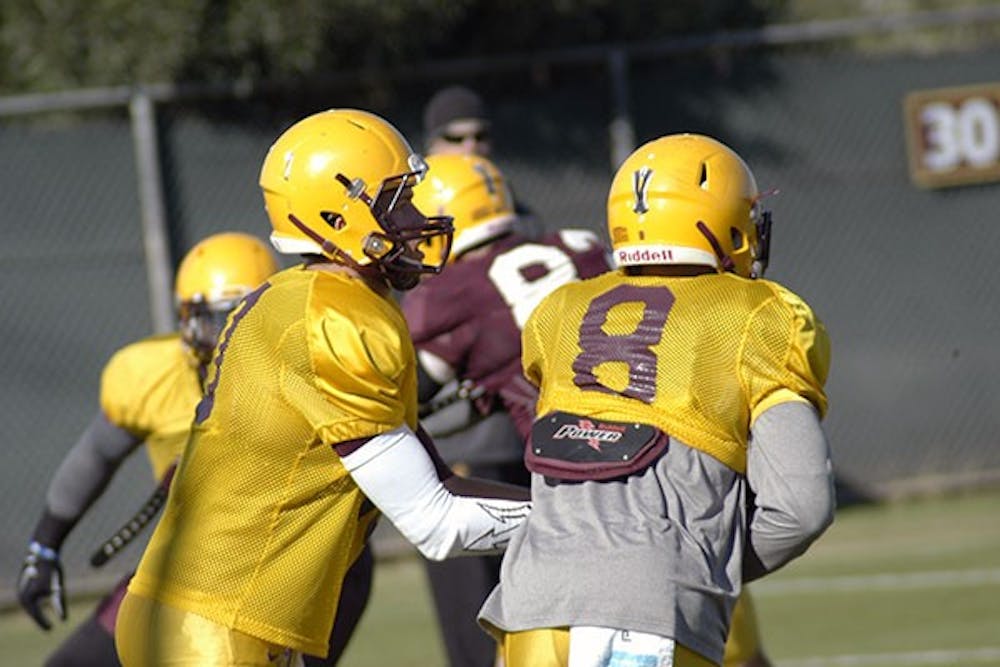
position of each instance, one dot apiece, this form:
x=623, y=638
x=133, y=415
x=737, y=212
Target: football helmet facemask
x=688, y=199
x=473, y=191
x=211, y=279
x=339, y=184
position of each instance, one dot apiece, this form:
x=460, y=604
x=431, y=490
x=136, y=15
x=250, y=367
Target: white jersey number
x=522, y=293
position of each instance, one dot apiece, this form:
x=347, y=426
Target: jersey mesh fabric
x=150, y=389
x=698, y=357
x=263, y=520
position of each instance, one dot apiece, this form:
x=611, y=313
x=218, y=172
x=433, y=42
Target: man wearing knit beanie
x=456, y=121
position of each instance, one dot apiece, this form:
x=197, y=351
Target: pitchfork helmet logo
x=640, y=185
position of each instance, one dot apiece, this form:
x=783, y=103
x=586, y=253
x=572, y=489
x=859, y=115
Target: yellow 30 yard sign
x=953, y=135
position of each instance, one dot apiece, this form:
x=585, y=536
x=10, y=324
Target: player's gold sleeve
x=365, y=366
x=787, y=354
x=150, y=389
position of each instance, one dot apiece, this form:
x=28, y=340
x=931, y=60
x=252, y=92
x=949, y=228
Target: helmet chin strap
x=763, y=245
x=332, y=251
x=324, y=243
x=402, y=271
x=724, y=259
x=400, y=280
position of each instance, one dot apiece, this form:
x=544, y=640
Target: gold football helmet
x=211, y=279
x=338, y=184
x=472, y=191
x=688, y=199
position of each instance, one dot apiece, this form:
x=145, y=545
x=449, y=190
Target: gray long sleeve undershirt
x=88, y=467
x=789, y=471
x=662, y=551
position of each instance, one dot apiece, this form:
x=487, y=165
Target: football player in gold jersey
x=148, y=393
x=678, y=451
x=465, y=324
x=308, y=429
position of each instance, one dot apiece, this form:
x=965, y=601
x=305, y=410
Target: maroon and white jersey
x=470, y=316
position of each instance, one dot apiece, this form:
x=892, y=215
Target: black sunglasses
x=480, y=136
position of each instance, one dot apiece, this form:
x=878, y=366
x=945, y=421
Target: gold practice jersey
x=150, y=389
x=263, y=521
x=698, y=357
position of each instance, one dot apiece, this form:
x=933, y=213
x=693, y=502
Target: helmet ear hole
x=335, y=220
x=737, y=237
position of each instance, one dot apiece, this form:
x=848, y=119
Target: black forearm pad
x=485, y=488
x=753, y=569
x=427, y=386
x=51, y=531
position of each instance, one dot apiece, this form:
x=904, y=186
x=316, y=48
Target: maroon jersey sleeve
x=461, y=318
x=588, y=252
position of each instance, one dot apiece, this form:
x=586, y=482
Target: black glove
x=41, y=584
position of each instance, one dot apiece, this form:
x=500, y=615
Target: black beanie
x=450, y=104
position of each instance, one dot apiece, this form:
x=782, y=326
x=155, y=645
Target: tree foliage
x=59, y=44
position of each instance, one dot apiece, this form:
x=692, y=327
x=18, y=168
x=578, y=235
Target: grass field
x=915, y=583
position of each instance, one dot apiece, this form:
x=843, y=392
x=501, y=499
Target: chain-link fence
x=903, y=277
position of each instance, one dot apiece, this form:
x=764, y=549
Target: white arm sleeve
x=789, y=470
x=396, y=474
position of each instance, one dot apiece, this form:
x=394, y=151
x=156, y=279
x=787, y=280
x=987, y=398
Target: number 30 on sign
x=953, y=135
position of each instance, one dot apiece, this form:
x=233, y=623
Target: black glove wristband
x=42, y=552
x=51, y=531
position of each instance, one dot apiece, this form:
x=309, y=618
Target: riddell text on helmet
x=644, y=256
